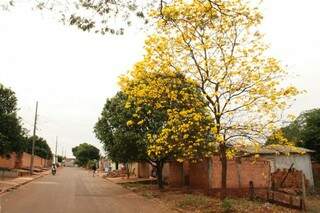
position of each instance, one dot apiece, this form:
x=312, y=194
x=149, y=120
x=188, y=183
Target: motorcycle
x=53, y=171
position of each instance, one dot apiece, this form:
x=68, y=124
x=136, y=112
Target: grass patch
x=194, y=201
x=183, y=201
x=227, y=205
x=147, y=190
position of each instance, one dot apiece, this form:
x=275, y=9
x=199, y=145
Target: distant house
x=251, y=165
x=70, y=162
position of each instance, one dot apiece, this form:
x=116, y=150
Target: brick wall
x=241, y=172
x=8, y=161
x=23, y=161
x=175, y=174
x=38, y=162
x=198, y=175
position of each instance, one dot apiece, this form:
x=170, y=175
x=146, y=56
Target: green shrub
x=227, y=205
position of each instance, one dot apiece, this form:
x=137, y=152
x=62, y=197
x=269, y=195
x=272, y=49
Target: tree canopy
x=85, y=152
x=304, y=131
x=41, y=147
x=121, y=143
x=11, y=131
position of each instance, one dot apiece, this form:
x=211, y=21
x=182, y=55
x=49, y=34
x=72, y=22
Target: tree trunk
x=117, y=165
x=159, y=174
x=223, y=158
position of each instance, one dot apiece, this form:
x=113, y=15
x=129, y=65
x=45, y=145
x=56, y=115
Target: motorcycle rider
x=53, y=169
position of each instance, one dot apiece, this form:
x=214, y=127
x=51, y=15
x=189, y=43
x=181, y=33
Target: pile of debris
x=289, y=181
x=116, y=173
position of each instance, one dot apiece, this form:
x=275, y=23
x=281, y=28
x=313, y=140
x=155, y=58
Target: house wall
x=133, y=168
x=300, y=163
x=144, y=170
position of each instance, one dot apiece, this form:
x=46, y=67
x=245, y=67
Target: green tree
x=121, y=143
x=85, y=152
x=304, y=131
x=11, y=131
x=41, y=147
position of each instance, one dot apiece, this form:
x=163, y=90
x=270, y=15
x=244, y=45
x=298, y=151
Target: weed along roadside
x=186, y=200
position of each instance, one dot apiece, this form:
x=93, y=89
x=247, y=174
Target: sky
x=71, y=73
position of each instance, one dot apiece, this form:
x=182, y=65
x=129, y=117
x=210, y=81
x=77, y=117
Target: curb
x=8, y=189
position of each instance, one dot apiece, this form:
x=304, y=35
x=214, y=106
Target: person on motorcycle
x=94, y=169
x=53, y=169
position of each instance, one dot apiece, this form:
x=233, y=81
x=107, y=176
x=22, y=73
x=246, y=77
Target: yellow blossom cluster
x=172, y=110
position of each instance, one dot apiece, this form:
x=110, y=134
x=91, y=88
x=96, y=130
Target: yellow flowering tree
x=223, y=51
x=171, y=112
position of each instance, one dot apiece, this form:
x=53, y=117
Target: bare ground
x=182, y=200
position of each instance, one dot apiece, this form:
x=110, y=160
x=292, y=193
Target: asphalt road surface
x=74, y=190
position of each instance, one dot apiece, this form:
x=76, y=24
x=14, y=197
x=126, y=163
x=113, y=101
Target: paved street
x=74, y=190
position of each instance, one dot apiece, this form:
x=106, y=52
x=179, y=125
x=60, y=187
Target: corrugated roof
x=273, y=149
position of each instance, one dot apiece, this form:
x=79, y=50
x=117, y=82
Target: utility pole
x=55, y=152
x=62, y=156
x=34, y=139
